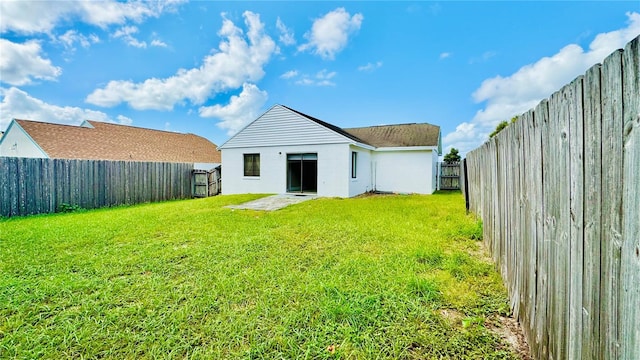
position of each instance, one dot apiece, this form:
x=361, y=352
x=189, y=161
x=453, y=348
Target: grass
x=364, y=278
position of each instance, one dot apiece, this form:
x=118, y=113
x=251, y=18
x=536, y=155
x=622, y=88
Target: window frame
x=354, y=164
x=253, y=170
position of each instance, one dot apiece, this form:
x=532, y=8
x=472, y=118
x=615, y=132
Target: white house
x=286, y=151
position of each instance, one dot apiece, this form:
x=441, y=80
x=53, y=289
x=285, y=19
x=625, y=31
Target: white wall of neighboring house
x=15, y=142
x=333, y=169
x=404, y=171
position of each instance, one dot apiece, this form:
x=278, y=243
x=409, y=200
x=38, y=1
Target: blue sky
x=209, y=67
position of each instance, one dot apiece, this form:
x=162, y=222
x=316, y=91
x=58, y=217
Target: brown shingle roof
x=398, y=135
x=119, y=142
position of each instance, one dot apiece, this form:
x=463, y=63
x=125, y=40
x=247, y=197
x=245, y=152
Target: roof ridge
x=139, y=127
x=373, y=126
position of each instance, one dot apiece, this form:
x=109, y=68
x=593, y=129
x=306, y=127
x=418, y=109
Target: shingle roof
x=104, y=141
x=400, y=135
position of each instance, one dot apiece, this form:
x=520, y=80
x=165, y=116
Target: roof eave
x=406, y=148
x=363, y=145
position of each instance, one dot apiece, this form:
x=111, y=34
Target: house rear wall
x=333, y=169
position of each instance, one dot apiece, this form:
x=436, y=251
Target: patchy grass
x=370, y=277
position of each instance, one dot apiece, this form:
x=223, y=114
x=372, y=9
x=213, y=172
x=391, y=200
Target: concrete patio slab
x=273, y=202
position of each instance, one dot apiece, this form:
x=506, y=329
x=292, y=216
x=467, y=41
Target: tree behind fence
x=35, y=186
x=559, y=195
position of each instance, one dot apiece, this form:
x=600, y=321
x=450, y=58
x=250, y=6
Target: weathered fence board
x=629, y=307
x=34, y=186
x=612, y=162
x=592, y=214
x=559, y=195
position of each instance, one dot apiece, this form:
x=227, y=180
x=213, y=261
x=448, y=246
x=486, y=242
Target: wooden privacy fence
x=449, y=176
x=35, y=186
x=559, y=195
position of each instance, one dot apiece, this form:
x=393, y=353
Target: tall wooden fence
x=559, y=195
x=35, y=186
x=449, y=176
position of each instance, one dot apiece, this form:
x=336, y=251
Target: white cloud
x=126, y=33
x=237, y=61
x=124, y=120
x=21, y=63
x=158, y=43
x=330, y=33
x=506, y=96
x=241, y=110
x=445, y=55
x=71, y=37
x=322, y=78
x=20, y=105
x=465, y=138
x=289, y=74
x=370, y=66
x=286, y=35
x=18, y=16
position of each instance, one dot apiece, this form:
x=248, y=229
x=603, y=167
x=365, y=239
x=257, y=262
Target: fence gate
x=449, y=176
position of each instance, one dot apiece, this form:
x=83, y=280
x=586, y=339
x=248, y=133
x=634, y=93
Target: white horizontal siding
x=280, y=126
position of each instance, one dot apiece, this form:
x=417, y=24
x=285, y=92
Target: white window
x=354, y=164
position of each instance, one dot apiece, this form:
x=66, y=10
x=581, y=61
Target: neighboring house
x=286, y=151
x=94, y=140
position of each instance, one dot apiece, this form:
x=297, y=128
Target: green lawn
x=366, y=278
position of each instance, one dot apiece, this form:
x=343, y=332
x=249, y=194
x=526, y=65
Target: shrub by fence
x=559, y=195
x=34, y=186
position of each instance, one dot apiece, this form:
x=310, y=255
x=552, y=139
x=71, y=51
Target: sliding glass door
x=302, y=173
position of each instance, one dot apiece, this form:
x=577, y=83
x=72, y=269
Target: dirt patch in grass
x=510, y=331
x=454, y=317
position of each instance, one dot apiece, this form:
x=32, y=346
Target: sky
x=212, y=67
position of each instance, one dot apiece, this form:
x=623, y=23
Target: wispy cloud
x=445, y=55
x=322, y=78
x=72, y=37
x=289, y=74
x=286, y=35
x=486, y=56
x=158, y=43
x=126, y=33
x=370, y=66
